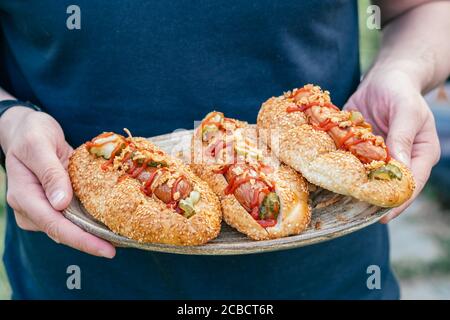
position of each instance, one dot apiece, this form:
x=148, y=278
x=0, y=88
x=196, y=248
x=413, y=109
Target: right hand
x=38, y=184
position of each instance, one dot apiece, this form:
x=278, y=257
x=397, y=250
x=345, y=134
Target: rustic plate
x=333, y=216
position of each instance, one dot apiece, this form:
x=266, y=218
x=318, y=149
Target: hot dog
x=334, y=149
x=259, y=197
x=140, y=192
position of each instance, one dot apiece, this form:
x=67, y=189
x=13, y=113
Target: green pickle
x=386, y=172
x=270, y=207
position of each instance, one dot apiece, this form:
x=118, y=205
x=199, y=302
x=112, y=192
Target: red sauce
x=345, y=142
x=265, y=168
x=388, y=155
x=216, y=147
x=299, y=91
x=255, y=213
x=331, y=106
x=135, y=170
x=325, y=125
x=255, y=199
x=342, y=144
x=104, y=135
x=174, y=206
x=174, y=187
x=209, y=121
x=132, y=168
x=147, y=188
x=267, y=223
x=111, y=158
x=91, y=143
x=304, y=107
x=126, y=158
x=238, y=180
x=235, y=182
x=139, y=170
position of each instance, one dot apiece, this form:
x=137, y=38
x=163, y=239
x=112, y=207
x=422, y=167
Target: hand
x=38, y=184
x=393, y=104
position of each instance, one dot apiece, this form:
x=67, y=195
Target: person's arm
x=416, y=40
x=414, y=58
x=38, y=183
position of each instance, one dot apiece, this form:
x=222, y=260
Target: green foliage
x=369, y=40
x=5, y=291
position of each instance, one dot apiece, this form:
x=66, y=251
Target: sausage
x=365, y=151
x=163, y=191
x=256, y=198
x=245, y=192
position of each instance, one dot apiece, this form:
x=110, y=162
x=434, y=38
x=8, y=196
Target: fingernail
x=106, y=253
x=57, y=197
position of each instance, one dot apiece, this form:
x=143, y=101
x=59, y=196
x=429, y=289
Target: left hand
x=393, y=104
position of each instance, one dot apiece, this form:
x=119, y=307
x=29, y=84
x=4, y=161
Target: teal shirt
x=156, y=66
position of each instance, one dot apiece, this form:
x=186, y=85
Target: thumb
x=47, y=167
x=400, y=139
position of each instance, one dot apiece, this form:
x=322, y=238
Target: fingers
x=421, y=173
x=425, y=154
x=27, y=197
x=41, y=158
x=400, y=139
x=23, y=222
x=421, y=168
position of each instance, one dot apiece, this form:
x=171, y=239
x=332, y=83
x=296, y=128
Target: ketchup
x=135, y=169
x=255, y=213
x=346, y=141
x=147, y=188
x=342, y=144
x=267, y=223
x=91, y=143
x=237, y=181
x=111, y=158
x=139, y=170
x=216, y=147
x=174, y=187
x=326, y=125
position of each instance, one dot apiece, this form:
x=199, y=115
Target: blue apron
x=157, y=66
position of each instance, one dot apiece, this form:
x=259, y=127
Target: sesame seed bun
x=290, y=187
x=314, y=154
x=127, y=211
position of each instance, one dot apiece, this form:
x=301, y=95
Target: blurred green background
x=5, y=291
x=420, y=242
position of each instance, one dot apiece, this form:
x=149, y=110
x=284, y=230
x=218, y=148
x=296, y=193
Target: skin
x=413, y=59
x=38, y=184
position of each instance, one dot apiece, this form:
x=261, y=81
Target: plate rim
x=249, y=247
